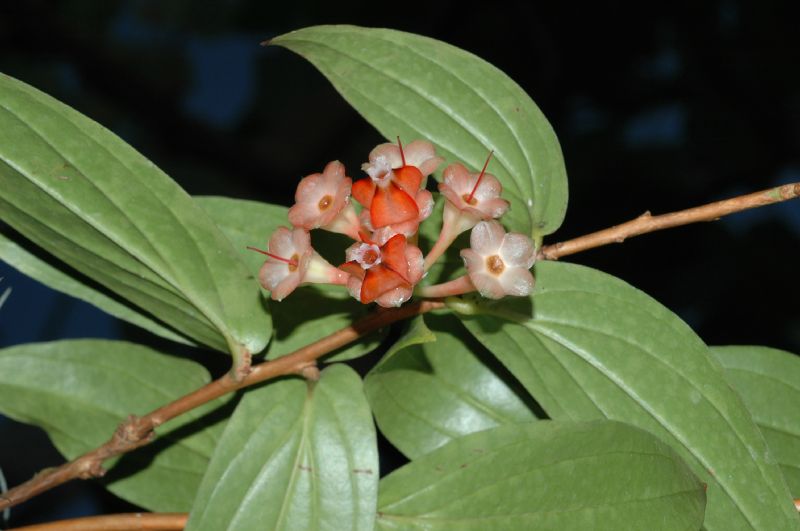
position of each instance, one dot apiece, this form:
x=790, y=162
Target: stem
x=138, y=431
x=648, y=223
x=454, y=287
x=116, y=522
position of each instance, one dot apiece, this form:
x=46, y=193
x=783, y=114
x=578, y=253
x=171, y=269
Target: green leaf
x=294, y=456
x=425, y=395
x=599, y=348
x=80, y=192
x=417, y=333
x=29, y=264
x=546, y=475
x=768, y=380
x=416, y=87
x=79, y=391
x=311, y=312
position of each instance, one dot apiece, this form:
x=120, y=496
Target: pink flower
x=471, y=197
x=384, y=273
x=291, y=261
x=497, y=263
x=323, y=201
x=396, y=177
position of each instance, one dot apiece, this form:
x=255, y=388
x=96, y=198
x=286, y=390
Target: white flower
x=498, y=264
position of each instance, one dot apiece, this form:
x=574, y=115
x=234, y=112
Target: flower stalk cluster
x=384, y=264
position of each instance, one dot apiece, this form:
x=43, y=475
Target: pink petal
x=474, y=262
x=487, y=285
x=517, y=281
x=310, y=189
x=301, y=240
x=281, y=243
x=487, y=237
x=458, y=179
x=517, y=251
x=493, y=208
x=415, y=263
x=305, y=215
x=333, y=174
x=276, y=277
x=489, y=187
x=425, y=203
x=394, y=298
x=390, y=152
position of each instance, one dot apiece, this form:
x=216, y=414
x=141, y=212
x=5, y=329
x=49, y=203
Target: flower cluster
x=384, y=265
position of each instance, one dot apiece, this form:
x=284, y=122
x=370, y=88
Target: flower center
x=294, y=262
x=325, y=202
x=495, y=265
x=368, y=255
x=469, y=199
x=380, y=171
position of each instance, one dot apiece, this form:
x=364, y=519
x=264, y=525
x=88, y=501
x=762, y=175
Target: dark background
x=658, y=107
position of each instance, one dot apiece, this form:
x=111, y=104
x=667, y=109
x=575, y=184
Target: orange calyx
x=480, y=178
x=392, y=205
x=409, y=178
x=377, y=281
x=363, y=191
x=393, y=255
x=293, y=262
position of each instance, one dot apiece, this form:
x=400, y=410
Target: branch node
x=310, y=371
x=242, y=366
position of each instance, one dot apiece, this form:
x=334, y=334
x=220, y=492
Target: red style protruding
x=480, y=177
x=275, y=256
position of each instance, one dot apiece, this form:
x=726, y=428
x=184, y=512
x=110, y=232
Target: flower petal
x=487, y=285
x=517, y=251
x=395, y=297
x=305, y=215
x=487, y=237
x=517, y=281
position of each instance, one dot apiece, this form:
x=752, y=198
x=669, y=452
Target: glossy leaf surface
x=417, y=87
x=79, y=391
x=426, y=395
x=80, y=192
x=545, y=476
x=768, y=380
x=587, y=345
x=294, y=456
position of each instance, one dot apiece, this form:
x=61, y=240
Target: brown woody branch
x=116, y=522
x=138, y=431
x=649, y=223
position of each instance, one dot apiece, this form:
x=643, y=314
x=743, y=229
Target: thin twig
x=648, y=223
x=115, y=522
x=138, y=431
